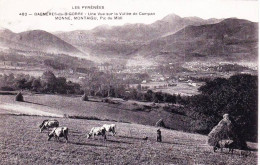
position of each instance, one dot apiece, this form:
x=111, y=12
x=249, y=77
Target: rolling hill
x=36, y=40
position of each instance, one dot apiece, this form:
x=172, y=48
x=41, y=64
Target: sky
x=10, y=10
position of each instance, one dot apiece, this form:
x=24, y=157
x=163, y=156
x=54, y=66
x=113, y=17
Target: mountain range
x=229, y=39
x=170, y=38
x=122, y=40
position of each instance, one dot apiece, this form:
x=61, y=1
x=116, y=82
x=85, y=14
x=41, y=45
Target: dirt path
x=26, y=110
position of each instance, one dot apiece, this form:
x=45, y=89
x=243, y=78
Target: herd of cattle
x=58, y=131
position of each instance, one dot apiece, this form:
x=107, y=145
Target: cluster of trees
x=108, y=91
x=109, y=85
x=236, y=96
x=150, y=96
x=120, y=91
x=47, y=83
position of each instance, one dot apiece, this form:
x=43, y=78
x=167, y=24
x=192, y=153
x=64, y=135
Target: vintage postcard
x=129, y=81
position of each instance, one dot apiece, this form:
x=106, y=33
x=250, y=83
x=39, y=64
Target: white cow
x=110, y=128
x=59, y=132
x=97, y=131
x=48, y=124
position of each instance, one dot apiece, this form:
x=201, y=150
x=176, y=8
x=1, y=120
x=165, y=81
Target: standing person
x=159, y=136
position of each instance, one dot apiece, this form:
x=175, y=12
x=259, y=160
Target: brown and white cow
x=46, y=124
x=59, y=132
x=97, y=131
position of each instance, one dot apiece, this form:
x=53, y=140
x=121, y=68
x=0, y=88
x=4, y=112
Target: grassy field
x=73, y=106
x=22, y=143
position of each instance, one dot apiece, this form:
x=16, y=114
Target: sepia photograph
x=129, y=82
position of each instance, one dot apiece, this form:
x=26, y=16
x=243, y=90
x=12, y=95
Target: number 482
x=23, y=14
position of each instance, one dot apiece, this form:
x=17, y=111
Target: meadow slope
x=22, y=143
x=58, y=105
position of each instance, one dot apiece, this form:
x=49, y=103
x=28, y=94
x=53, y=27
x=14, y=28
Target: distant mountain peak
x=102, y=27
x=171, y=17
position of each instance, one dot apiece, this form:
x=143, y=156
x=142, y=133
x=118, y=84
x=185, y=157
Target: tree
x=133, y=94
x=236, y=96
x=157, y=97
x=148, y=95
x=111, y=91
x=139, y=87
x=36, y=85
x=48, y=81
x=20, y=83
x=61, y=85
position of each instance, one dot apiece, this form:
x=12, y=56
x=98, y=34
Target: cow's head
x=50, y=135
x=42, y=128
x=42, y=123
